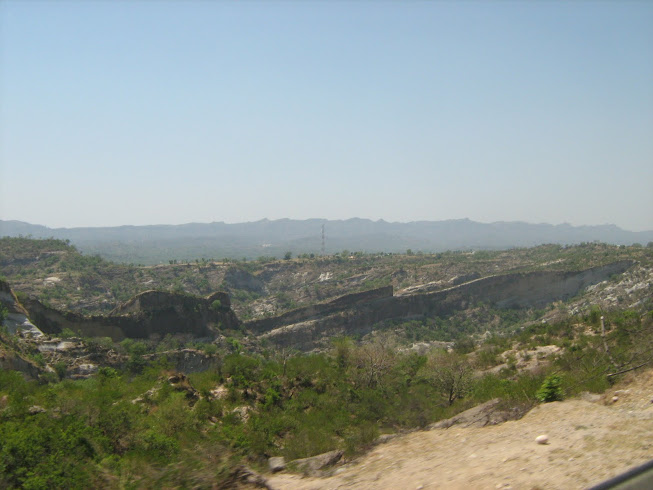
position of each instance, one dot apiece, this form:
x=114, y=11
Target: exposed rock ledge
x=151, y=313
x=307, y=328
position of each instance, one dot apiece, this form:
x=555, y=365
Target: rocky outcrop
x=312, y=466
x=17, y=317
x=13, y=361
x=318, y=310
x=186, y=360
x=243, y=477
x=276, y=463
x=492, y=412
x=16, y=321
x=149, y=314
x=309, y=328
x=237, y=278
x=160, y=300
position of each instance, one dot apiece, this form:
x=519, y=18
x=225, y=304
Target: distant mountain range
x=160, y=243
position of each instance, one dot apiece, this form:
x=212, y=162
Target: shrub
x=135, y=364
x=97, y=344
x=551, y=389
x=107, y=372
x=159, y=444
x=3, y=313
x=272, y=398
x=67, y=333
x=42, y=452
x=210, y=349
x=464, y=345
x=360, y=437
x=61, y=368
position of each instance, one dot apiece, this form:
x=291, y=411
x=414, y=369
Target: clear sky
x=195, y=111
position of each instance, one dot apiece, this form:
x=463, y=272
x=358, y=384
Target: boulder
x=542, y=439
x=242, y=413
x=244, y=477
x=219, y=393
x=276, y=463
x=489, y=413
x=314, y=464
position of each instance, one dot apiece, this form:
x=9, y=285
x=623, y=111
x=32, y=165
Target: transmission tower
x=323, y=239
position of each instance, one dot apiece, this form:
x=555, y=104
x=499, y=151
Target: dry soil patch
x=588, y=442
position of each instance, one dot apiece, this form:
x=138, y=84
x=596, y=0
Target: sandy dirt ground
x=589, y=442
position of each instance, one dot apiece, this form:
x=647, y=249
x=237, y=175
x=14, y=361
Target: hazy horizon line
x=565, y=223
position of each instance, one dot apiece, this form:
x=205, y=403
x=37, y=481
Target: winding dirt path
x=588, y=442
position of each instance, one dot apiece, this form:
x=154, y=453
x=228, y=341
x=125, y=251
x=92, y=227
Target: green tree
x=372, y=361
x=449, y=373
x=551, y=389
x=3, y=314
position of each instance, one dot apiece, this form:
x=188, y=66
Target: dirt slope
x=588, y=443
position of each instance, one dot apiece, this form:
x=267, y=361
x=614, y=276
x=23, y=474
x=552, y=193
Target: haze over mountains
x=159, y=243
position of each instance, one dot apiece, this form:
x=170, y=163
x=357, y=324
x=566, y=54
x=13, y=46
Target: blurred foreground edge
x=638, y=478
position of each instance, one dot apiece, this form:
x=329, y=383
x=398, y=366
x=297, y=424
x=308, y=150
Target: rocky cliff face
x=17, y=317
x=237, y=278
x=318, y=310
x=16, y=321
x=152, y=313
x=357, y=314
x=13, y=361
x=157, y=313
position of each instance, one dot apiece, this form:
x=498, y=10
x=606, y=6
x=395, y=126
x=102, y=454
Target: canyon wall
x=263, y=325
x=358, y=315
x=151, y=313
x=157, y=313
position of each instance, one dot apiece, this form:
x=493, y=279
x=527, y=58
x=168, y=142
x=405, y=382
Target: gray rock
x=244, y=477
x=87, y=369
x=276, y=463
x=488, y=413
x=382, y=439
x=316, y=463
x=590, y=397
x=34, y=409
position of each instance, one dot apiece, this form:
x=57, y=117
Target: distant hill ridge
x=159, y=243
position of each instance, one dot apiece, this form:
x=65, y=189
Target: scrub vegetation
x=138, y=423
x=120, y=429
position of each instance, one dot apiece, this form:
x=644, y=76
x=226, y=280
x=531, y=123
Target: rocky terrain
x=148, y=315
x=295, y=303
x=590, y=439
x=361, y=313
x=57, y=274
x=212, y=353
x=154, y=314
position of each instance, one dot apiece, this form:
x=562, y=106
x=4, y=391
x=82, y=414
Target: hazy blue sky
x=174, y=111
